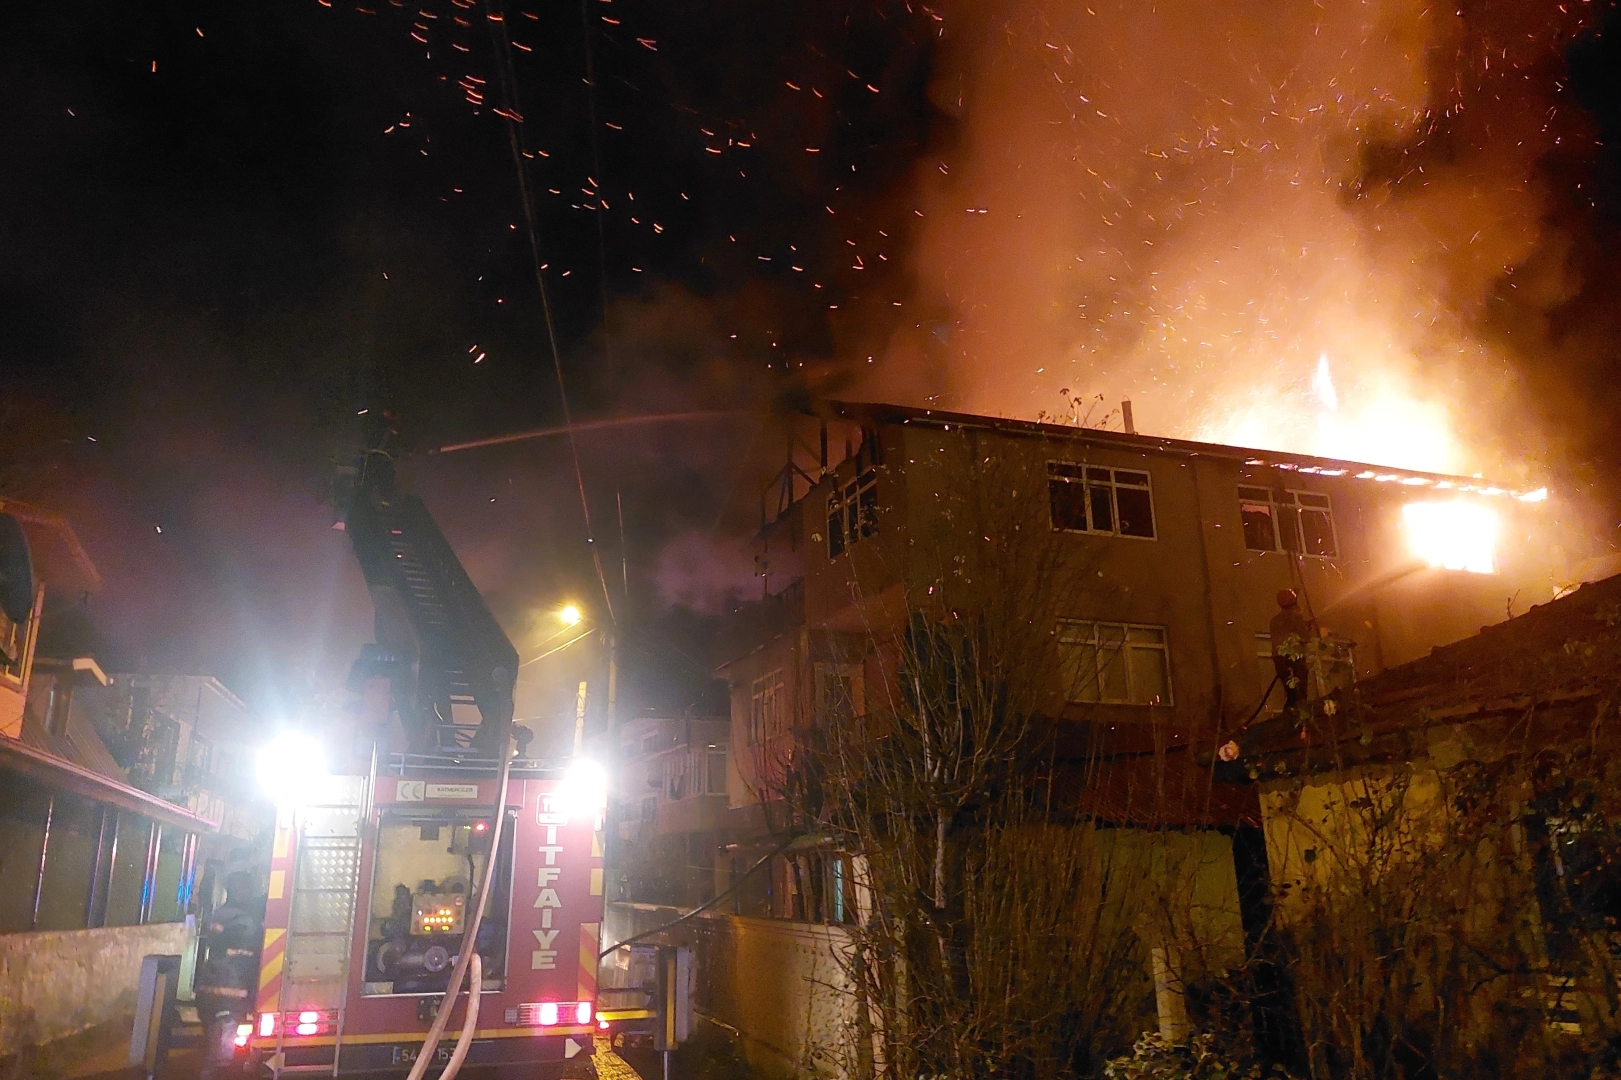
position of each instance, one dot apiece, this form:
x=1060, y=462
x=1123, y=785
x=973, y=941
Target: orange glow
x=1453, y=535
x=1381, y=420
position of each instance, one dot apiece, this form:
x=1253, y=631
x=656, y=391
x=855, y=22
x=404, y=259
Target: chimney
x=1125, y=417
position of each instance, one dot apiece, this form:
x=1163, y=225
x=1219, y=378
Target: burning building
x=1122, y=587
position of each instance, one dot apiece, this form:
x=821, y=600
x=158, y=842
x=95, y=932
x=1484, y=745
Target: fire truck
x=449, y=851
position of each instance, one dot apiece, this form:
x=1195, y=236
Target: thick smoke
x=1272, y=224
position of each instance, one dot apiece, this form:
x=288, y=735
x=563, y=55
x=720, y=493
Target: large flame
x=1380, y=420
x=1454, y=535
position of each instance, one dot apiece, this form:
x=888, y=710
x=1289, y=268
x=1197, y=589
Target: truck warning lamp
x=550, y=1013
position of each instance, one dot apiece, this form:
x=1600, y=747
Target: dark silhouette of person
x=1290, y=633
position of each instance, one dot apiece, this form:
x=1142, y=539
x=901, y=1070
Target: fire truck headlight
x=584, y=790
x=290, y=766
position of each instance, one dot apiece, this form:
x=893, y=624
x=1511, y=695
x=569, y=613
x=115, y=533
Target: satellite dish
x=16, y=571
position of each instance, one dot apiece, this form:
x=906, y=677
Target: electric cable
x=705, y=906
x=514, y=122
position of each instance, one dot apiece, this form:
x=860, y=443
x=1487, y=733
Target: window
x=1301, y=522
x=838, y=692
x=767, y=708
x=852, y=512
x=126, y=891
x=13, y=637
x=22, y=830
x=1119, y=663
x=1090, y=498
x=169, y=884
x=813, y=886
x=70, y=863
x=717, y=772
x=650, y=810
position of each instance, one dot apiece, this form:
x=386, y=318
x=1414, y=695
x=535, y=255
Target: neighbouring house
x=99, y=861
x=670, y=807
x=1451, y=828
x=1153, y=568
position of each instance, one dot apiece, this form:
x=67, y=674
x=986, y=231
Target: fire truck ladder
x=463, y=657
x=320, y=922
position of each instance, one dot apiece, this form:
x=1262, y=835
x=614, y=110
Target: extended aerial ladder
x=457, y=657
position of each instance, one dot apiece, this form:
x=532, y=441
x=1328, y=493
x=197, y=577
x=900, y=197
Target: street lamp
x=569, y=615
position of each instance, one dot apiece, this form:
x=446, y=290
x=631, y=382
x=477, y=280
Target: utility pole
x=579, y=719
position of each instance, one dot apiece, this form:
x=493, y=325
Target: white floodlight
x=290, y=767
x=583, y=792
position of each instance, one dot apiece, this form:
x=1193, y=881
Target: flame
x=1322, y=385
x=1453, y=535
x=1380, y=419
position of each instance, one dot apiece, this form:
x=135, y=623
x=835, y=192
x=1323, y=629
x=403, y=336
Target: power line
x=514, y=122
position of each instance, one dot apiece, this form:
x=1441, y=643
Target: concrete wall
x=56, y=984
x=782, y=986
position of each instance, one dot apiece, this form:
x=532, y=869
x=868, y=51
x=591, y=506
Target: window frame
x=1081, y=476
x=1295, y=510
x=766, y=725
x=1066, y=635
x=854, y=675
x=853, y=506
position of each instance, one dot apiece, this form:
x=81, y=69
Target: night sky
x=226, y=229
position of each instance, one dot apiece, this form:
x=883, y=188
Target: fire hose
x=468, y=956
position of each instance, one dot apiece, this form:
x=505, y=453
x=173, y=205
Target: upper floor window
x=1300, y=522
x=839, y=692
x=1114, y=663
x=1095, y=499
x=767, y=708
x=852, y=512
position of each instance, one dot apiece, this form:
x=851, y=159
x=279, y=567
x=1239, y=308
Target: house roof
x=1552, y=667
x=42, y=764
x=1284, y=461
x=60, y=560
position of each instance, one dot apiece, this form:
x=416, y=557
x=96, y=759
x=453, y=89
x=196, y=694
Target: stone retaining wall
x=58, y=983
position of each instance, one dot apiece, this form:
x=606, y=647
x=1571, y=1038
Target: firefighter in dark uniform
x=228, y=967
x=1290, y=633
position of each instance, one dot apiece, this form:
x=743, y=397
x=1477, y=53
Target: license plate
x=406, y=1055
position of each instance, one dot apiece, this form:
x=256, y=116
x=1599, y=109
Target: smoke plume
x=1271, y=224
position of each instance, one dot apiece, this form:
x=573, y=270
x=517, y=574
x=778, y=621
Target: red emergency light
x=305, y=1022
x=551, y=1013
